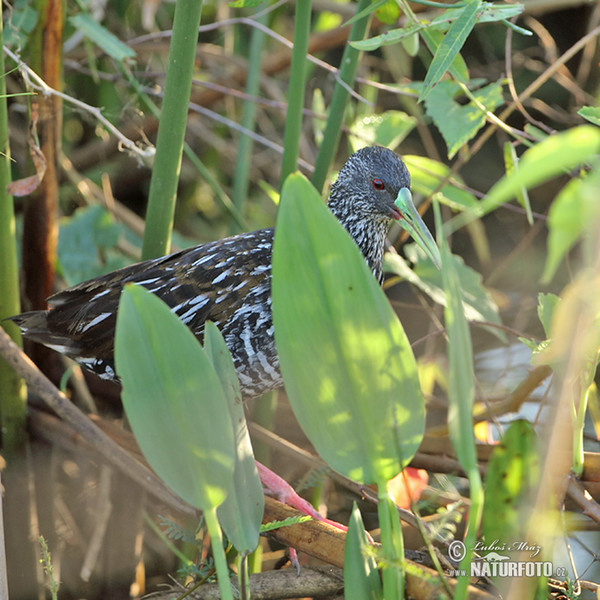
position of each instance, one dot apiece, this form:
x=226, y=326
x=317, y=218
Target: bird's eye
x=378, y=184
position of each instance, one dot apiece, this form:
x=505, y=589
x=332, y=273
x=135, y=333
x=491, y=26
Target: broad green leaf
x=84, y=245
x=511, y=163
x=349, y=372
x=590, y=113
x=551, y=157
x=103, y=38
x=240, y=515
x=388, y=129
x=477, y=303
x=426, y=175
x=451, y=44
x=574, y=212
x=460, y=123
x=361, y=577
x=173, y=399
x=512, y=476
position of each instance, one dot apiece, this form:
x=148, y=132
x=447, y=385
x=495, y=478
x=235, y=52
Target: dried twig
x=35, y=82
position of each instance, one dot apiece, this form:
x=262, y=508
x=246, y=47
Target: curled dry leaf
x=25, y=186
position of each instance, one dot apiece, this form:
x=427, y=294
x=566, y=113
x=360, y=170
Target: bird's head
x=375, y=184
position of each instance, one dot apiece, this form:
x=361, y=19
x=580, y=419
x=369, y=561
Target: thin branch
x=35, y=82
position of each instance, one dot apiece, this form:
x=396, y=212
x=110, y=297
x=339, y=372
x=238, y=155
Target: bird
x=228, y=281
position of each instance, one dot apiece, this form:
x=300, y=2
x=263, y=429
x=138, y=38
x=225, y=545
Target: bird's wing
x=210, y=281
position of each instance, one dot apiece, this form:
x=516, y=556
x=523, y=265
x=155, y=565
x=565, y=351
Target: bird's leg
x=275, y=486
x=286, y=494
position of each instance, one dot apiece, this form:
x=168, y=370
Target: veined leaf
x=349, y=372
x=173, y=399
x=457, y=123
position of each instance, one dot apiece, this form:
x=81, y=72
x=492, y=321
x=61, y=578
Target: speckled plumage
x=227, y=281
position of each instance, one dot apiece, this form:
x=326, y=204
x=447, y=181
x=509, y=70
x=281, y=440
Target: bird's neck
x=368, y=233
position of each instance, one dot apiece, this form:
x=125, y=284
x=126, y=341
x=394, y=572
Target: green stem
x=171, y=129
x=222, y=197
x=293, y=119
x=392, y=543
x=337, y=109
x=473, y=523
x=12, y=389
x=242, y=166
x=216, y=543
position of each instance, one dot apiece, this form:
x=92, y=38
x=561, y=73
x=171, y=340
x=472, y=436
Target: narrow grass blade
x=241, y=513
x=361, y=577
x=451, y=45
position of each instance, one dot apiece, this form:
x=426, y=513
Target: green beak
x=410, y=220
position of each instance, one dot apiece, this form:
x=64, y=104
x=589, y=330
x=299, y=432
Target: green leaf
x=84, y=244
x=461, y=388
x=390, y=37
x=450, y=46
x=488, y=13
x=512, y=476
x=388, y=13
x=349, y=372
x=477, y=302
x=433, y=37
x=590, y=113
x=426, y=175
x=551, y=157
x=240, y=515
x=574, y=212
x=361, y=577
x=103, y=38
x=388, y=129
x=511, y=163
x=173, y=399
x=546, y=305
x=22, y=19
x=460, y=123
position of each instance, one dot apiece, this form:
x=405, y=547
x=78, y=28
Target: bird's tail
x=34, y=326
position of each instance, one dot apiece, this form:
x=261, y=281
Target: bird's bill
x=409, y=219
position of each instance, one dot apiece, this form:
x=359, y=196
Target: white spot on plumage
x=95, y=321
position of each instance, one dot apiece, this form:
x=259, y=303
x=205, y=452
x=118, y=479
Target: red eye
x=378, y=184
